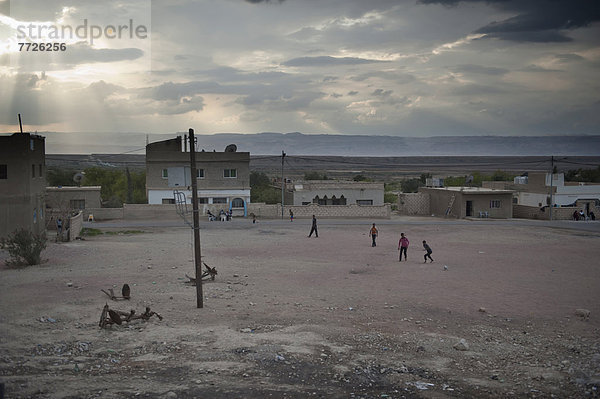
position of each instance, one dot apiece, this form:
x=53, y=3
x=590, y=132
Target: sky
x=413, y=68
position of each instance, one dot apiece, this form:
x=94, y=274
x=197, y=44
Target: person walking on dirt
x=427, y=248
x=314, y=227
x=291, y=216
x=373, y=233
x=403, y=246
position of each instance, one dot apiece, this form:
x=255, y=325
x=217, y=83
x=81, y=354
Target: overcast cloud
x=411, y=68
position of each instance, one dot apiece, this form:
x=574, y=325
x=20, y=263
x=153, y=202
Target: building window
x=220, y=200
x=231, y=173
x=364, y=202
x=515, y=200
x=3, y=171
x=494, y=203
x=168, y=201
x=165, y=173
x=203, y=200
x=77, y=204
x=200, y=173
x=237, y=203
x=32, y=171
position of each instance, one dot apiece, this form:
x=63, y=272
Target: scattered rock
x=583, y=313
x=69, y=284
x=246, y=330
x=482, y=310
x=171, y=395
x=461, y=345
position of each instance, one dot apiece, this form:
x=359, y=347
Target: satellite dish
x=78, y=177
x=231, y=148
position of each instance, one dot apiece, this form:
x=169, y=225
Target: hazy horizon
x=295, y=143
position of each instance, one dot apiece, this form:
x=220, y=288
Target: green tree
x=60, y=177
x=315, y=176
x=261, y=189
x=24, y=247
x=411, y=185
x=361, y=178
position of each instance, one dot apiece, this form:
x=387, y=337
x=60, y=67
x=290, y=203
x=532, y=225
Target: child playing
x=427, y=248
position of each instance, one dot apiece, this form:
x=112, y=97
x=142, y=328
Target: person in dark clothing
x=291, y=216
x=427, y=248
x=373, y=233
x=314, y=227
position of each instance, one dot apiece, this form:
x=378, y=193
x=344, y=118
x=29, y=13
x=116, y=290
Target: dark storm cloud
x=478, y=69
x=327, y=61
x=397, y=77
x=263, y=1
x=536, y=21
x=569, y=57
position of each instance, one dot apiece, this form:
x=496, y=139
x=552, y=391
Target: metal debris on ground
x=125, y=293
x=210, y=273
x=110, y=316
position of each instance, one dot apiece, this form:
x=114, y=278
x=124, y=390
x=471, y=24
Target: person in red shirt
x=403, y=246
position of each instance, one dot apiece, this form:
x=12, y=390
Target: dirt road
x=296, y=317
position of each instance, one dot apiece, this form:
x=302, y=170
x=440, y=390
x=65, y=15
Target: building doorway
x=469, y=208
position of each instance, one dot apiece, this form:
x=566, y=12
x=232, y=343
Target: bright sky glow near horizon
x=401, y=68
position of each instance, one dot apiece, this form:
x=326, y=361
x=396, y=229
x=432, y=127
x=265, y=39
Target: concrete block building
x=22, y=183
x=336, y=192
x=223, y=177
x=73, y=198
x=461, y=202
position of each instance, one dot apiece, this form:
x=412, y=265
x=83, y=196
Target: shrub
x=24, y=247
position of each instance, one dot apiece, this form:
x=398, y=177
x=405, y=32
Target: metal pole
x=20, y=124
x=282, y=184
x=551, y=184
x=197, y=252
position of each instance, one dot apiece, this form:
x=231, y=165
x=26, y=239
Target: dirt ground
x=296, y=317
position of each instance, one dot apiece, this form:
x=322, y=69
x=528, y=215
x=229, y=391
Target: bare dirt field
x=296, y=317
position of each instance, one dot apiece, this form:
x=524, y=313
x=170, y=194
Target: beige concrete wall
x=439, y=200
x=414, y=204
x=103, y=213
x=481, y=203
x=320, y=211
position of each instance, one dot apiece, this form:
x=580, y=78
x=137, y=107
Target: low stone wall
x=535, y=212
x=268, y=211
x=414, y=204
x=103, y=213
x=261, y=210
x=150, y=211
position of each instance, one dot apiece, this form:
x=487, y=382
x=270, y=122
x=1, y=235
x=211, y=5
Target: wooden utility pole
x=282, y=184
x=20, y=124
x=551, y=184
x=197, y=252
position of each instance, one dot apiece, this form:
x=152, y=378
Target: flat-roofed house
x=223, y=177
x=337, y=192
x=461, y=202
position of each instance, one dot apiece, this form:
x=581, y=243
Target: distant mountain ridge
x=329, y=144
